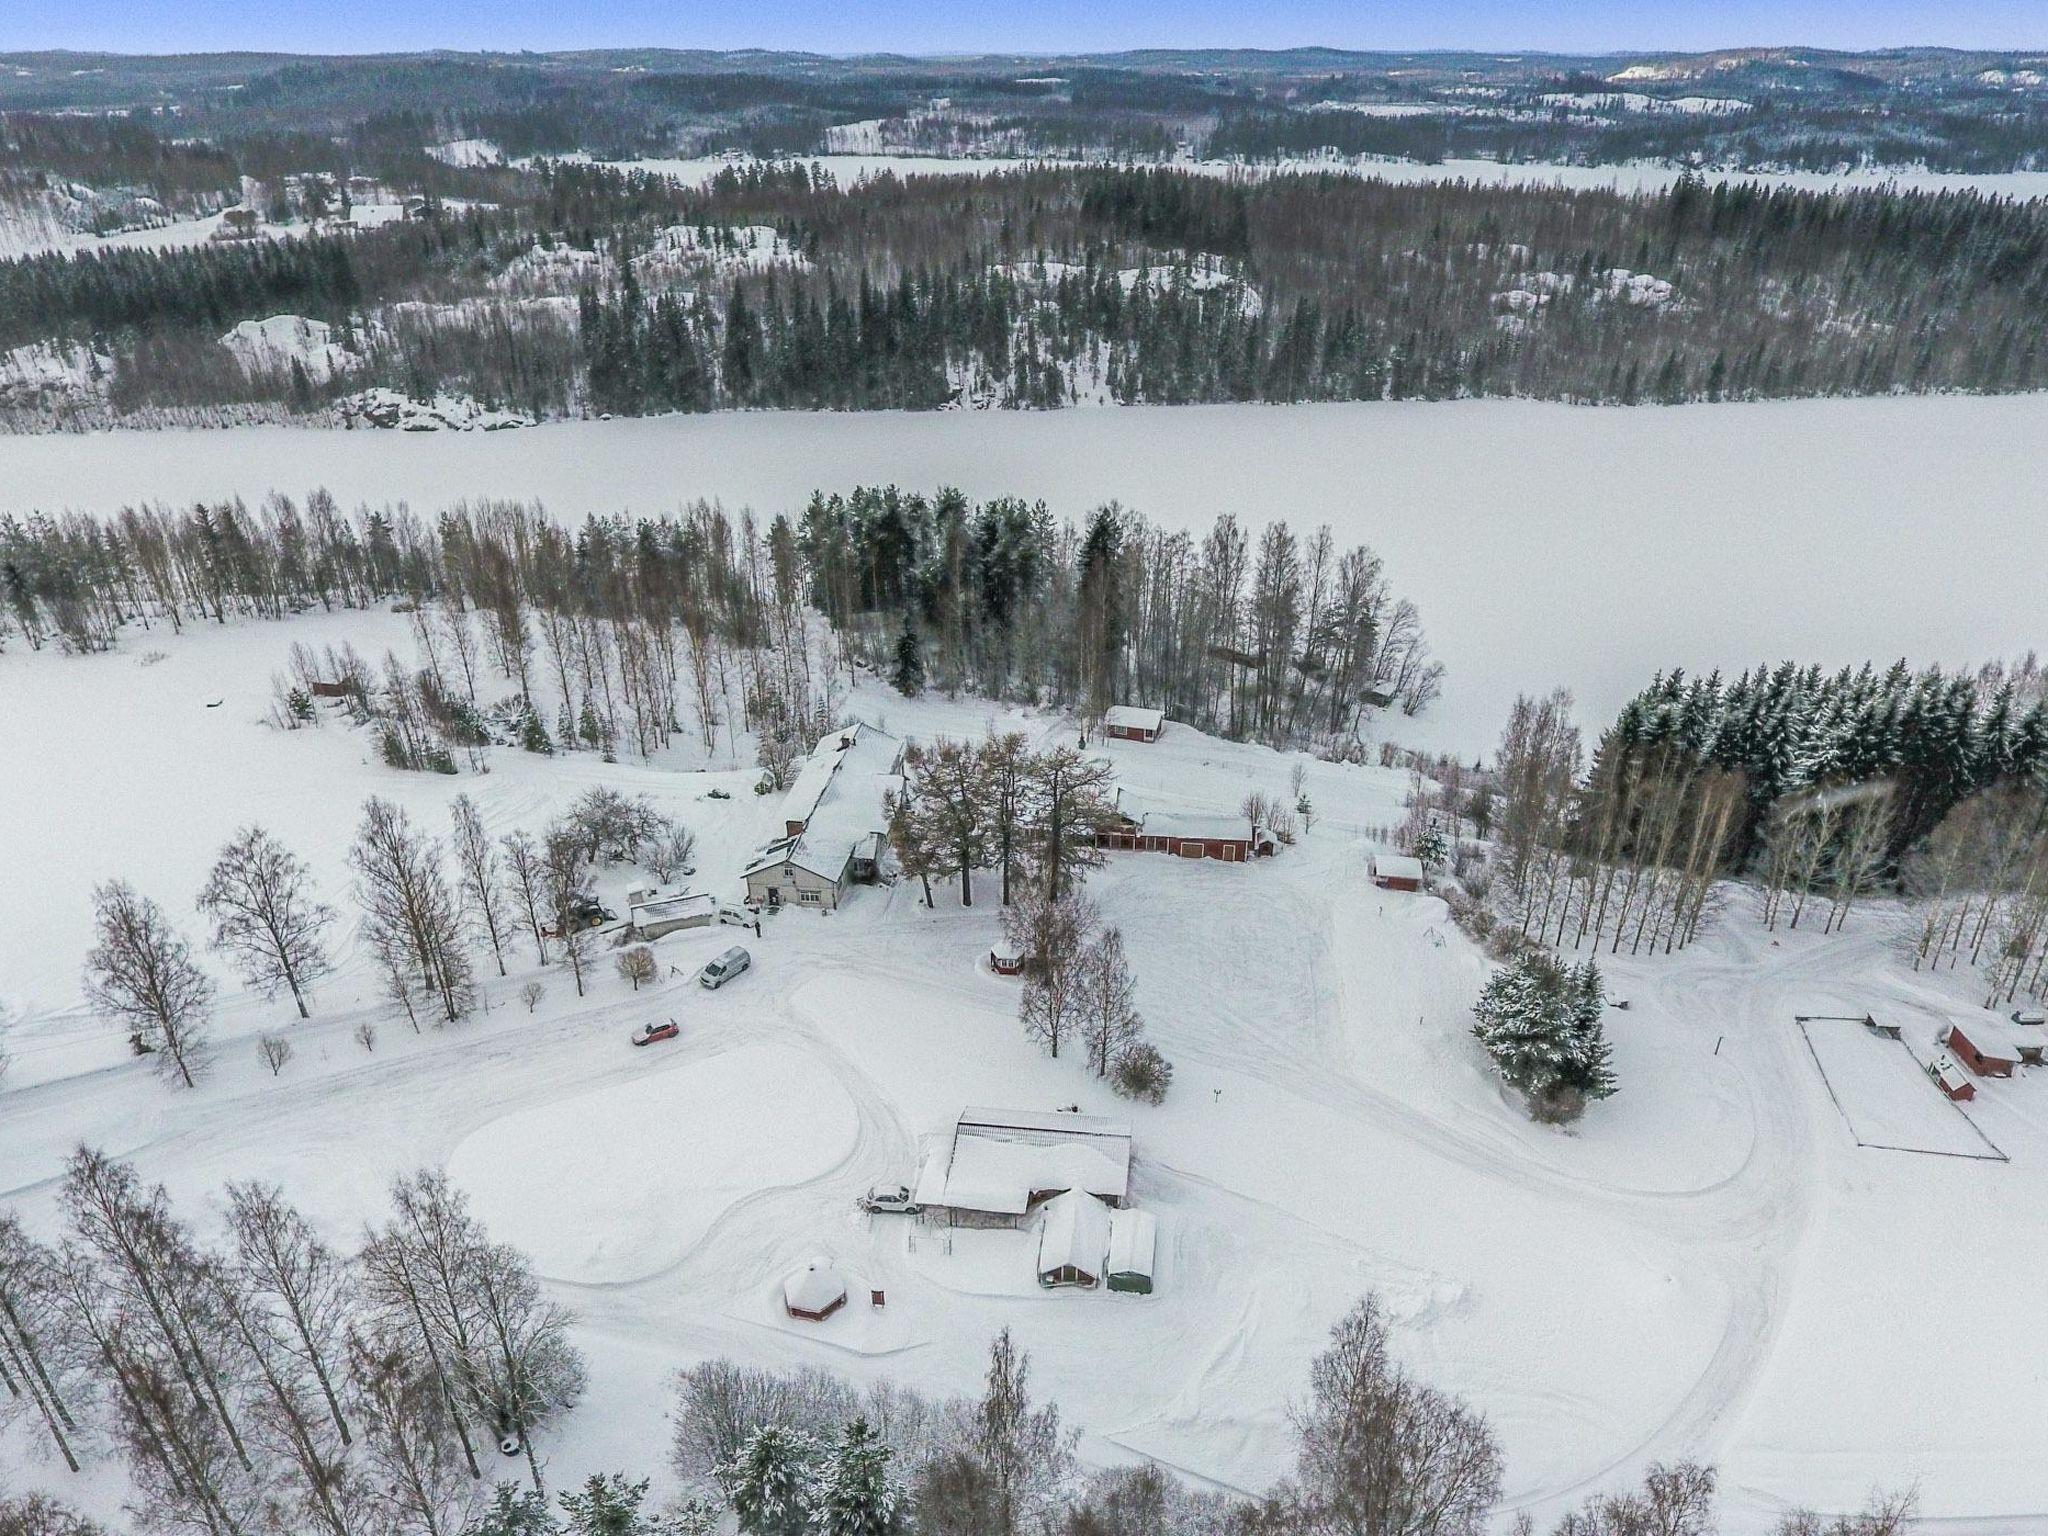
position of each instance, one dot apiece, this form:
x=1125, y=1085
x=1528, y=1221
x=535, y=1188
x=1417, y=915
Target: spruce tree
x=853, y=1493
x=908, y=677
x=766, y=1482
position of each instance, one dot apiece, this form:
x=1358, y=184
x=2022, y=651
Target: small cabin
x=1396, y=872
x=1006, y=960
x=1126, y=722
x=1949, y=1078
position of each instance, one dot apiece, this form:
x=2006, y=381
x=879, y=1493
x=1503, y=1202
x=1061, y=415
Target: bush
x=636, y=965
x=1142, y=1073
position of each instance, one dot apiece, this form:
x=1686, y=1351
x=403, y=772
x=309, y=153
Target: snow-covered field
x=1708, y=1266
x=1546, y=544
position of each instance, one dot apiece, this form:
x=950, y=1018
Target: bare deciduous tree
x=265, y=916
x=142, y=973
x=636, y=965
x=275, y=1051
x=409, y=914
x=1384, y=1455
x=477, y=872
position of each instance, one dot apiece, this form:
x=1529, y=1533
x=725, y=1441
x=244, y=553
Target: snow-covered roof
x=1129, y=717
x=1133, y=1239
x=1948, y=1074
x=1076, y=1234
x=663, y=909
x=1989, y=1036
x=1396, y=866
x=1194, y=824
x=996, y=1160
x=814, y=1287
x=1175, y=821
x=836, y=802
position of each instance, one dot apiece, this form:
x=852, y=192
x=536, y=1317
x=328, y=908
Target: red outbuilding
x=1126, y=722
x=1948, y=1077
x=1982, y=1048
x=1396, y=872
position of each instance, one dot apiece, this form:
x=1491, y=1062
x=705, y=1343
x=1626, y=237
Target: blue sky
x=926, y=26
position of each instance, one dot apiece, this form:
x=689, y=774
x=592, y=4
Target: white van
x=725, y=967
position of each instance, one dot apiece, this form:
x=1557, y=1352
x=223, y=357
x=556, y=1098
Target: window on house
x=811, y=897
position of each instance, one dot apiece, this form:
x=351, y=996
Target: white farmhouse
x=835, y=821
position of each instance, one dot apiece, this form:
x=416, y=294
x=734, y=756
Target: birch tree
x=265, y=916
x=142, y=973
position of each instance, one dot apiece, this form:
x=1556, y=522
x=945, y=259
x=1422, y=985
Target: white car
x=738, y=917
x=892, y=1200
x=725, y=967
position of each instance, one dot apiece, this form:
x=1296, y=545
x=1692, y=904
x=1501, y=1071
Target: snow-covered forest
x=579, y=289
x=612, y=634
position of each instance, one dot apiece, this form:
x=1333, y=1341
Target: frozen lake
x=1545, y=544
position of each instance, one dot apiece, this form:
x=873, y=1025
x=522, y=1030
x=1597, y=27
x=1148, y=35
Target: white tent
x=814, y=1292
x=1073, y=1240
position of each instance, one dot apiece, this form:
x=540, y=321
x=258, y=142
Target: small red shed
x=1126, y=722
x=1396, y=872
x=1948, y=1077
x=1981, y=1048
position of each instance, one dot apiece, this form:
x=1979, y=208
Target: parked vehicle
x=716, y=794
x=586, y=913
x=725, y=967
x=893, y=1200
x=647, y=1034
x=738, y=917
x=2031, y=1016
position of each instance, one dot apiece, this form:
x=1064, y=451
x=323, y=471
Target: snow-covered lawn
x=1545, y=544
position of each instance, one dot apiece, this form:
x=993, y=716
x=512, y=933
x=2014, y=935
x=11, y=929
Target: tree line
x=1823, y=788
x=266, y=1383
x=1032, y=287
x=426, y=906
x=609, y=636
x=1284, y=640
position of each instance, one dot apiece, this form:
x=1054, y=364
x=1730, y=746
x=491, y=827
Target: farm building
x=996, y=1166
x=1133, y=1244
x=1983, y=1046
x=834, y=819
x=1006, y=959
x=814, y=1292
x=1949, y=1078
x=1126, y=722
x=1073, y=1241
x=1396, y=872
x=1880, y=1028
x=656, y=915
x=1185, y=834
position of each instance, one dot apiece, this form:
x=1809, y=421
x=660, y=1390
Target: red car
x=647, y=1034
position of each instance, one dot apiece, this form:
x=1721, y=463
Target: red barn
x=1983, y=1048
x=1396, y=872
x=1126, y=722
x=1185, y=834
